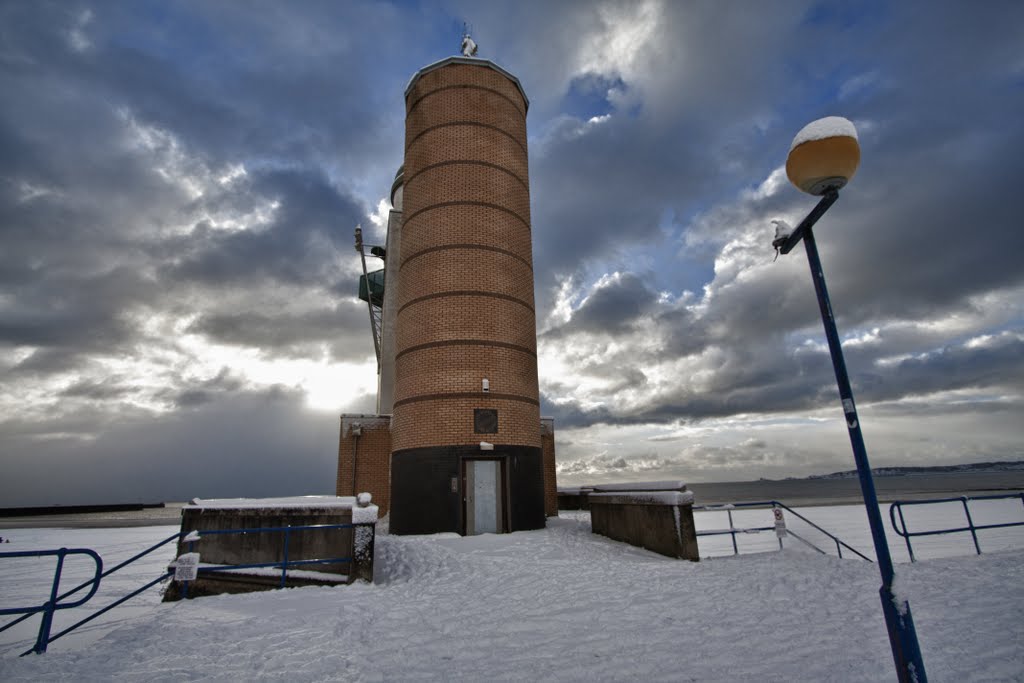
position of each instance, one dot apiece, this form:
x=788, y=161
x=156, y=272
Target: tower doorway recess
x=483, y=500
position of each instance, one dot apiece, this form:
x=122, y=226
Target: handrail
x=729, y=507
x=45, y=638
x=284, y=563
x=901, y=528
x=102, y=576
x=54, y=603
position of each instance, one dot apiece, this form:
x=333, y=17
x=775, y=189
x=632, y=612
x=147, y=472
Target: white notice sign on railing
x=780, y=524
x=186, y=567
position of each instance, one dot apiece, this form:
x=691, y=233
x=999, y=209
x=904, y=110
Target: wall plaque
x=485, y=420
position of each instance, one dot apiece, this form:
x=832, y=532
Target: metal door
x=483, y=497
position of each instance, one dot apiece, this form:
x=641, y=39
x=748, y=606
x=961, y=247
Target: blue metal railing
x=901, y=528
x=56, y=601
x=774, y=504
x=285, y=563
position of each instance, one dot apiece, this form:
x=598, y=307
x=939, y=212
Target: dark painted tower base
x=433, y=489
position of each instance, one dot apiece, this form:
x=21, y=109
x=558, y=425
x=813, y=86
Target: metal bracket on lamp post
x=906, y=651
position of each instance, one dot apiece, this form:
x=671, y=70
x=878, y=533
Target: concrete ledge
x=574, y=498
x=658, y=520
x=642, y=497
x=257, y=547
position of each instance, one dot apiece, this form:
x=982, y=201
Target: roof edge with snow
x=470, y=61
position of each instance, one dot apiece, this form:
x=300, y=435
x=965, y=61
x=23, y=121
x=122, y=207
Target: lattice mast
x=374, y=304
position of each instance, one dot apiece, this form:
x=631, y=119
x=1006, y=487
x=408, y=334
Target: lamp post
x=823, y=158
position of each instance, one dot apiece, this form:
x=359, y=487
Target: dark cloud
x=237, y=445
x=611, y=308
x=110, y=389
x=991, y=364
x=302, y=244
x=76, y=312
x=344, y=328
x=202, y=393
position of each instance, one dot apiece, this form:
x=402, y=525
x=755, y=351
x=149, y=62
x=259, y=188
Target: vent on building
x=485, y=421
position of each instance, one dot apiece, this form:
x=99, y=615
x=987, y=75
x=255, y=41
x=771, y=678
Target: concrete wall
x=573, y=500
x=651, y=526
x=264, y=547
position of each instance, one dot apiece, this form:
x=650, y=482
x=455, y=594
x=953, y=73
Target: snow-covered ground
x=558, y=604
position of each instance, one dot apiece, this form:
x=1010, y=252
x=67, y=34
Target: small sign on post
x=186, y=567
x=780, y=523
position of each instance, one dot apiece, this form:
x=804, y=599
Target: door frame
x=503, y=504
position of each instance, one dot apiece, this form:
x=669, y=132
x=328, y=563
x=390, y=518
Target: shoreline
x=792, y=492
x=824, y=492
x=810, y=492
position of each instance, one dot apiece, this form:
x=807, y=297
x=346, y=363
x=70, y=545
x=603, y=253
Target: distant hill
x=977, y=467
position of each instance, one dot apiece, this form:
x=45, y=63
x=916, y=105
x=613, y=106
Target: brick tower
x=465, y=429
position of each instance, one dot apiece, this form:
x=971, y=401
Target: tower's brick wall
x=435, y=270
x=466, y=182
x=478, y=317
x=465, y=287
x=463, y=365
x=470, y=142
x=373, y=459
x=482, y=227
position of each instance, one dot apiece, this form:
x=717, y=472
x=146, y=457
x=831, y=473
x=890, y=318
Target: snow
x=362, y=511
x=560, y=603
x=645, y=497
x=828, y=127
x=899, y=599
x=782, y=229
x=275, y=503
x=674, y=485
x=671, y=492
x=365, y=515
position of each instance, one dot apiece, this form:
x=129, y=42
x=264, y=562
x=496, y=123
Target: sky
x=179, y=184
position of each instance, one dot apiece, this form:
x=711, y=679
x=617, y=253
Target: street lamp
x=823, y=158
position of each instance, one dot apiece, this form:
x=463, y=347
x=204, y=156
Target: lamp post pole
x=898, y=620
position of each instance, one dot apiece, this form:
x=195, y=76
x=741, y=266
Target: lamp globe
x=824, y=155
